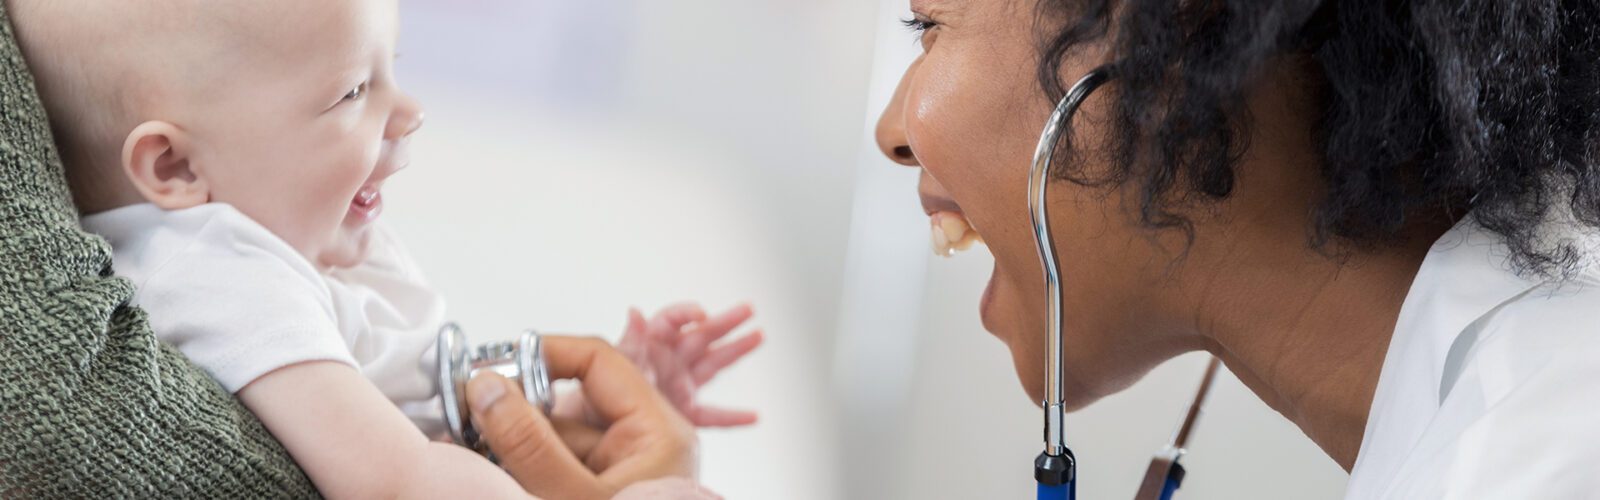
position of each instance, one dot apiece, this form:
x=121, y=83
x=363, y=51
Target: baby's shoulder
x=208, y=249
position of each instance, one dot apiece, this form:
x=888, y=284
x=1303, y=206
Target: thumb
x=526, y=444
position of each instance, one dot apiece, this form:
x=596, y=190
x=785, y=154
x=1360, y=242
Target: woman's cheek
x=935, y=127
x=929, y=101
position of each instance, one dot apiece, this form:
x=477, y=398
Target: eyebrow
x=930, y=7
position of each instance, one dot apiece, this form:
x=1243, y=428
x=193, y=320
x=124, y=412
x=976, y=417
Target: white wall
x=584, y=156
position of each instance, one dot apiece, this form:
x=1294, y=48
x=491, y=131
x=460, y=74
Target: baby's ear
x=156, y=158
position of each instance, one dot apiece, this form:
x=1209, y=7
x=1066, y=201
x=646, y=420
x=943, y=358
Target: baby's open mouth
x=952, y=233
x=368, y=196
x=367, y=204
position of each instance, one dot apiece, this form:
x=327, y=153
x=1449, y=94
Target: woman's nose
x=406, y=119
x=891, y=133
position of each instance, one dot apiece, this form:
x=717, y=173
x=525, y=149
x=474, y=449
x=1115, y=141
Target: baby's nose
x=406, y=119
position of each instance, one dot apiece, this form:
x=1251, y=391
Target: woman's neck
x=1305, y=331
x=1308, y=333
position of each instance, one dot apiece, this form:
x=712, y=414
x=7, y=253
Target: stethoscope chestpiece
x=522, y=361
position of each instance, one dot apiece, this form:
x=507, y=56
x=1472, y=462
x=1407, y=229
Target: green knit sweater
x=91, y=405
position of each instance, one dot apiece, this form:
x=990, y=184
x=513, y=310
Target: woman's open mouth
x=950, y=230
x=952, y=233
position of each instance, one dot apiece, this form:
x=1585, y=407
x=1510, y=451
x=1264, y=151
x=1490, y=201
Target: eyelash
x=919, y=26
x=355, y=93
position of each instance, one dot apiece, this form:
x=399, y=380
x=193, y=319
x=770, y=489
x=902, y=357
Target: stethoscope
x=521, y=361
x=1055, y=469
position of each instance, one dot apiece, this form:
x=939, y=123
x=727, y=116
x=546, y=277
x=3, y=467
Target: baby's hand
x=674, y=351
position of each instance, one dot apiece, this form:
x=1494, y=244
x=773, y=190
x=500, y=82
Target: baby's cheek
x=337, y=186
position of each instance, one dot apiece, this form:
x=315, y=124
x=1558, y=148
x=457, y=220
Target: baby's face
x=308, y=125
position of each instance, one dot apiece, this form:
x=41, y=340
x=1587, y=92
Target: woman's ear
x=157, y=159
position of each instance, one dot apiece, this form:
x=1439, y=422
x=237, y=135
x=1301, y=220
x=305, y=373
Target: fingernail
x=489, y=391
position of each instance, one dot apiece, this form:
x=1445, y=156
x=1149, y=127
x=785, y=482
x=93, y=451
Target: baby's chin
x=351, y=250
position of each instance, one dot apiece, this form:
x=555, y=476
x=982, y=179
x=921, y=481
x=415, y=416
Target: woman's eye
x=355, y=93
x=921, y=26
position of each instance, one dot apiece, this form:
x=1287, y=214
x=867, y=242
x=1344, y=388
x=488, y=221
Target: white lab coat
x=1491, y=386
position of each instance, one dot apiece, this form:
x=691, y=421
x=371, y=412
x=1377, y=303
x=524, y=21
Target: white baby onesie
x=240, y=302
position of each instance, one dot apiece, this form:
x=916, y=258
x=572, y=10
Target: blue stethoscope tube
x=1055, y=469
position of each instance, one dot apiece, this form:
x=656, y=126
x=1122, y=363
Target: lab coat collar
x=1466, y=276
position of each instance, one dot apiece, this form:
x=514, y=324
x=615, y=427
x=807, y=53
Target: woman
x=1373, y=212
x=1378, y=214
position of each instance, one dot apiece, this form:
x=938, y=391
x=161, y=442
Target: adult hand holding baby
x=646, y=439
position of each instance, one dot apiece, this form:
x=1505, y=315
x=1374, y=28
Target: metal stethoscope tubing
x=1055, y=469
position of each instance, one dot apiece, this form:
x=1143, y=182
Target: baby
x=233, y=153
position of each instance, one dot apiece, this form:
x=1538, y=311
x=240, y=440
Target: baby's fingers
x=636, y=337
x=709, y=416
x=636, y=323
x=723, y=355
x=671, y=319
x=700, y=338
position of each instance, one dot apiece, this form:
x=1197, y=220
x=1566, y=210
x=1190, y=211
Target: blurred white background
x=584, y=156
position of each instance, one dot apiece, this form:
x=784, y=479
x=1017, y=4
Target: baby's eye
x=355, y=93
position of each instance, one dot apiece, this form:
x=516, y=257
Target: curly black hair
x=1429, y=108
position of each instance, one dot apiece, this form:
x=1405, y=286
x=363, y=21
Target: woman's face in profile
x=969, y=113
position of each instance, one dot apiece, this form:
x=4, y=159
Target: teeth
x=941, y=243
x=955, y=228
x=952, y=233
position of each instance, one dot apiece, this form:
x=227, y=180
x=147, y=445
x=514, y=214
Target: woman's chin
x=1033, y=384
x=1076, y=398
x=995, y=311
x=986, y=305
x=1010, y=321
